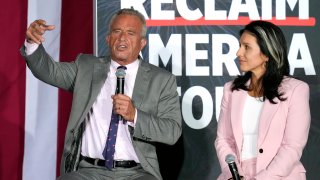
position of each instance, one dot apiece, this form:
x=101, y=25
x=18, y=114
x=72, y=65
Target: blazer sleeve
x=163, y=124
x=295, y=134
x=43, y=67
x=225, y=142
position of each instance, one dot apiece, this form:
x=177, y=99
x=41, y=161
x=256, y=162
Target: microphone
x=230, y=159
x=120, y=73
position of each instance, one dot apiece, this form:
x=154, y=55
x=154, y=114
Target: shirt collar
x=130, y=67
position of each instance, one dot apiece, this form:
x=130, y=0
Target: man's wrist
x=30, y=47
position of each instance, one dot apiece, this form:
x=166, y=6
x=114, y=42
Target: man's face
x=124, y=40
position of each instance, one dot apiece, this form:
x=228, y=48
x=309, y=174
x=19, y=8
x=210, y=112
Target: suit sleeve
x=295, y=135
x=43, y=67
x=164, y=124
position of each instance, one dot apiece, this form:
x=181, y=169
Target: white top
x=250, y=124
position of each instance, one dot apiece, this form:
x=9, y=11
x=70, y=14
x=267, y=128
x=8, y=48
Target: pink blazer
x=283, y=132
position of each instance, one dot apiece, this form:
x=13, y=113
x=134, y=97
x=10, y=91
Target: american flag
x=33, y=115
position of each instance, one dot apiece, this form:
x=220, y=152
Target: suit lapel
x=141, y=82
x=100, y=72
x=267, y=114
x=238, y=100
x=99, y=75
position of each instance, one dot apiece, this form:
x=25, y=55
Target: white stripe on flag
x=40, y=147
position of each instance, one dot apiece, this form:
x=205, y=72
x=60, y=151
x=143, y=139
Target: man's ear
x=143, y=42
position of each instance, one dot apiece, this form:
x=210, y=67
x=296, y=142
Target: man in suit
x=149, y=107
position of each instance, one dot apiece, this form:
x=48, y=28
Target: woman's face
x=250, y=56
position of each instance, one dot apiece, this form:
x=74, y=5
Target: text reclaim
x=211, y=13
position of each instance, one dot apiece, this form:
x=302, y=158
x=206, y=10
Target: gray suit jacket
x=154, y=96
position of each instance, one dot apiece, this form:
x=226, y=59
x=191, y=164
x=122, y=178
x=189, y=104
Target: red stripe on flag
x=76, y=37
x=13, y=17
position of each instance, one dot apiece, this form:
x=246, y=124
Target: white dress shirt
x=97, y=125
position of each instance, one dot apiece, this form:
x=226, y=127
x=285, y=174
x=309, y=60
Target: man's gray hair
x=132, y=12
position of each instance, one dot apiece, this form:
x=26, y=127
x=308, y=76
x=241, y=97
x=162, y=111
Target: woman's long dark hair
x=273, y=44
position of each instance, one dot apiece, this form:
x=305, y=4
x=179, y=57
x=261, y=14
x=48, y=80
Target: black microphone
x=120, y=73
x=230, y=159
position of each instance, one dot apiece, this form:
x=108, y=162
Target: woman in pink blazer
x=265, y=116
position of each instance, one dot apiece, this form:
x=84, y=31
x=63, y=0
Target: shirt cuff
x=30, y=47
x=133, y=124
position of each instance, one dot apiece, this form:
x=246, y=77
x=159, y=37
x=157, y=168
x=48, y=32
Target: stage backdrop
x=197, y=41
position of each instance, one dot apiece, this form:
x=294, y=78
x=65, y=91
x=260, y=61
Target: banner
x=33, y=114
x=197, y=41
